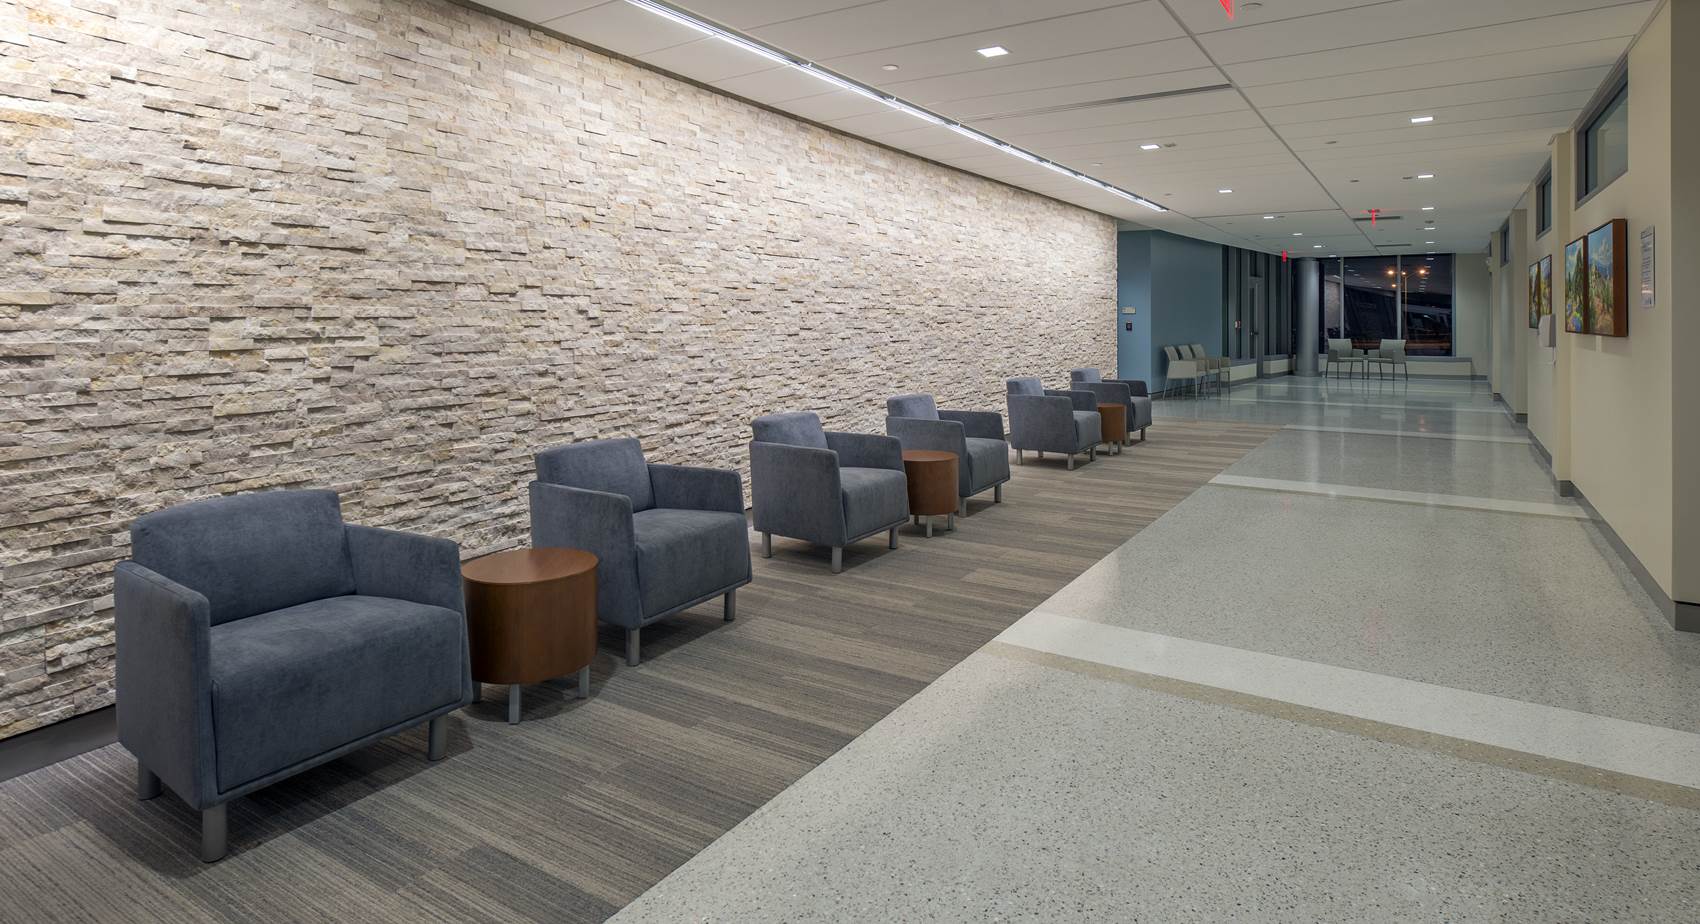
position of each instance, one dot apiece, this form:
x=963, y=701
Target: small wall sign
x=1649, y=296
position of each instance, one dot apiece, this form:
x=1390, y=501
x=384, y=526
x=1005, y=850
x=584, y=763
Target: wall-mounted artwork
x=1546, y=320
x=1534, y=295
x=1575, y=287
x=1608, y=279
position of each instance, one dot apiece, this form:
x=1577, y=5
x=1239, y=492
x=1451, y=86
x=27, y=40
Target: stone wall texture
x=393, y=247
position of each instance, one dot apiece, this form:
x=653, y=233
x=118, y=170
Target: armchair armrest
x=600, y=523
x=406, y=566
x=1080, y=400
x=918, y=433
x=1108, y=392
x=797, y=492
x=1041, y=422
x=1136, y=387
x=689, y=487
x=866, y=450
x=980, y=425
x=165, y=681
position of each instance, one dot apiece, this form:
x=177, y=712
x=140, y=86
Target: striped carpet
x=578, y=810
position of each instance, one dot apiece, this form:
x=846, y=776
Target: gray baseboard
x=1683, y=617
x=50, y=744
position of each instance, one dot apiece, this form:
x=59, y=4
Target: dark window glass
x=1428, y=305
x=1605, y=145
x=1333, y=306
x=1543, y=204
x=1371, y=300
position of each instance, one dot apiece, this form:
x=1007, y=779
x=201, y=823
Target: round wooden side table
x=530, y=617
x=1112, y=419
x=932, y=485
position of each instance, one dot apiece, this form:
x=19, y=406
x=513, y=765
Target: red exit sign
x=1228, y=7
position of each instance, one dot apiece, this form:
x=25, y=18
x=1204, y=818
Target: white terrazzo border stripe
x=1355, y=406
x=1633, y=749
x=1419, y=498
x=1418, y=434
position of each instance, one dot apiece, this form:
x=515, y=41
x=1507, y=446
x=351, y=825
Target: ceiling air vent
x=1378, y=219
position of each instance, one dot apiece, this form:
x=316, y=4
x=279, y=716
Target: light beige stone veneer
x=392, y=248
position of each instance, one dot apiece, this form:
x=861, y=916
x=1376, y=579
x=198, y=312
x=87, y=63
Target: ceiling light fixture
x=1425, y=176
x=819, y=73
x=1428, y=208
x=888, y=67
x=993, y=51
x=1224, y=191
x=1428, y=242
x=1418, y=120
x=1149, y=147
x=1269, y=218
x=1298, y=234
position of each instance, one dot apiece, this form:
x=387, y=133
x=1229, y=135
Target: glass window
x=1333, y=302
x=1605, y=144
x=1543, y=203
x=1505, y=244
x=1428, y=304
x=1371, y=300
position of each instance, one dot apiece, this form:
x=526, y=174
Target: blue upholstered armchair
x=1131, y=392
x=1044, y=421
x=667, y=537
x=830, y=489
x=975, y=436
x=259, y=636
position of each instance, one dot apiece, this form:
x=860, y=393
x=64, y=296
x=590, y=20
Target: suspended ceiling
x=1311, y=124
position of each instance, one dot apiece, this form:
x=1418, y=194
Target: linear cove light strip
x=910, y=109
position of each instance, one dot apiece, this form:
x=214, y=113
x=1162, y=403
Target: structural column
x=1307, y=314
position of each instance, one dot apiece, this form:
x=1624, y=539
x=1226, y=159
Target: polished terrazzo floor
x=1376, y=670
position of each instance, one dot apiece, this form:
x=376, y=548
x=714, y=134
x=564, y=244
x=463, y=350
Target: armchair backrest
x=611, y=466
x=1198, y=351
x=1024, y=386
x=250, y=553
x=918, y=406
x=1338, y=349
x=794, y=428
x=1393, y=349
x=1084, y=375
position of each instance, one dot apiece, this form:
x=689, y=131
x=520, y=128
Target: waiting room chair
x=1343, y=355
x=666, y=537
x=1043, y=420
x=1390, y=357
x=824, y=487
x=260, y=636
x=976, y=437
x=1182, y=368
x=1137, y=396
x=1222, y=366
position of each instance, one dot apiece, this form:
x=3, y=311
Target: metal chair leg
x=1071, y=461
x=997, y=494
x=962, y=507
x=729, y=611
x=634, y=644
x=1019, y=460
x=891, y=538
x=215, y=832
x=837, y=559
x=767, y=545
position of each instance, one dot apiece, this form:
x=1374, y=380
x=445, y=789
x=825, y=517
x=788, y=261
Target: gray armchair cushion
x=599, y=522
x=406, y=566
x=613, y=466
x=1047, y=423
x=688, y=487
x=920, y=407
x=795, y=428
x=290, y=685
x=866, y=450
x=684, y=555
x=249, y=553
x=1079, y=399
x=874, y=498
x=796, y=492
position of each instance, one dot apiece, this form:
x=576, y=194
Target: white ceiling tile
x=889, y=23
x=619, y=26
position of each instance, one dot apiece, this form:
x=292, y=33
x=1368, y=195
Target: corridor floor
x=1375, y=670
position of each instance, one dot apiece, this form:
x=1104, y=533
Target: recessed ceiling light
x=1428, y=242
x=888, y=67
x=1425, y=176
x=1097, y=163
x=1149, y=147
x=1298, y=234
x=993, y=51
x=1428, y=208
x=1317, y=246
x=1269, y=218
x=1418, y=120
x=1224, y=191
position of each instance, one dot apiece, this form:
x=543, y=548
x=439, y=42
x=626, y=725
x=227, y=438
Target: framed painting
x=1546, y=288
x=1534, y=295
x=1608, y=279
x=1575, y=287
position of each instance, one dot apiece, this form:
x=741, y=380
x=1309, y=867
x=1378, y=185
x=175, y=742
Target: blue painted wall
x=1176, y=283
